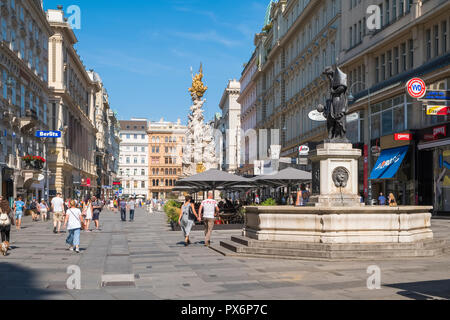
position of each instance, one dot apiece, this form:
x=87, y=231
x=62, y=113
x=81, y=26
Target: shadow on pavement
x=18, y=283
x=439, y=289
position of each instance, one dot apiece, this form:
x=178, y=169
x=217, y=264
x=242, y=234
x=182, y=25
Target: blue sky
x=143, y=50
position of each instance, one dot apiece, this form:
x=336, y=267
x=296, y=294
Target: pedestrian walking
x=209, y=210
x=123, y=209
x=88, y=212
x=19, y=206
x=43, y=209
x=97, y=207
x=131, y=205
x=74, y=224
x=187, y=219
x=58, y=212
x=33, y=207
x=6, y=220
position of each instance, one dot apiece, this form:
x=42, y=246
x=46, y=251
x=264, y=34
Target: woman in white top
x=74, y=221
x=87, y=213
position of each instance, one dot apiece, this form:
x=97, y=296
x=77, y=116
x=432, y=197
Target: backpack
x=4, y=219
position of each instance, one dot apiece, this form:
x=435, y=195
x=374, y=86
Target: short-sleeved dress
x=186, y=220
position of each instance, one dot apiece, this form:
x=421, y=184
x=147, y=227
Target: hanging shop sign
x=436, y=95
x=416, y=88
x=403, y=137
x=49, y=134
x=303, y=150
x=438, y=110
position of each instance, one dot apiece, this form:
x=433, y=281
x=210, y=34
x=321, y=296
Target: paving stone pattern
x=144, y=260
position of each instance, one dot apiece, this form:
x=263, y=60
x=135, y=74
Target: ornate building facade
x=24, y=94
x=72, y=110
x=166, y=140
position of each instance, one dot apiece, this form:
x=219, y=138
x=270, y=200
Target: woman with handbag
x=187, y=219
x=75, y=223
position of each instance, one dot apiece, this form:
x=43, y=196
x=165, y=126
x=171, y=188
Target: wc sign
x=416, y=88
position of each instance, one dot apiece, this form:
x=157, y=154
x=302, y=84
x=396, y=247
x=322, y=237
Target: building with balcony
x=71, y=110
x=166, y=141
x=24, y=94
x=133, y=159
x=107, y=140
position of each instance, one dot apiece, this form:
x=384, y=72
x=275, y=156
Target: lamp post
x=369, y=160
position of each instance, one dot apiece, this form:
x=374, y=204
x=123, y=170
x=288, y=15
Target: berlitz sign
x=48, y=134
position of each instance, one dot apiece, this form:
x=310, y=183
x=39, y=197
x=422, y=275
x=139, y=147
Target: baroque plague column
x=199, y=153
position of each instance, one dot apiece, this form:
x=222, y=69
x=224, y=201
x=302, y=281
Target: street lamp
x=369, y=161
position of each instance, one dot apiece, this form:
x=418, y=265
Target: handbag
x=83, y=225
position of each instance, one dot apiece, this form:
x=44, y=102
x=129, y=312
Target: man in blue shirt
x=18, y=211
x=382, y=199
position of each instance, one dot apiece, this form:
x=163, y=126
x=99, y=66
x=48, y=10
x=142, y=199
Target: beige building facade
x=72, y=110
x=166, y=141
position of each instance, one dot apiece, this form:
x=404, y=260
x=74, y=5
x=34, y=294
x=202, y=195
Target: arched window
x=167, y=172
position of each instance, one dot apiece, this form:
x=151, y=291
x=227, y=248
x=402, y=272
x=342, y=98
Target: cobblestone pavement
x=145, y=260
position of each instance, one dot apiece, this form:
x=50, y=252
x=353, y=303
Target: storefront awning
x=388, y=163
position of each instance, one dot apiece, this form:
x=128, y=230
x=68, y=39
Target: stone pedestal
x=335, y=175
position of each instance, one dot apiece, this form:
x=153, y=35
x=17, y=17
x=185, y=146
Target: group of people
x=390, y=201
x=207, y=212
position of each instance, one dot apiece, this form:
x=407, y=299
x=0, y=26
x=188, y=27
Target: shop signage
x=86, y=182
x=436, y=95
x=48, y=134
x=303, y=150
x=317, y=116
x=376, y=149
x=403, y=137
x=438, y=110
x=439, y=131
x=416, y=88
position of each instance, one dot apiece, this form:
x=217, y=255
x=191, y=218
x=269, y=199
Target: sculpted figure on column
x=337, y=105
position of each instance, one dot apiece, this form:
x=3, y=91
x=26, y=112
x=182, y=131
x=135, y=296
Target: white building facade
x=133, y=158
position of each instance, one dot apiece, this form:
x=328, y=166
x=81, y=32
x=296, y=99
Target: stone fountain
x=336, y=225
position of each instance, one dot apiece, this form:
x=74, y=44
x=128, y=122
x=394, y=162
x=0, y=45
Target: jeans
x=123, y=214
x=131, y=215
x=5, y=232
x=74, y=237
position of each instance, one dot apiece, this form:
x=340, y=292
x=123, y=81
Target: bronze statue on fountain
x=336, y=108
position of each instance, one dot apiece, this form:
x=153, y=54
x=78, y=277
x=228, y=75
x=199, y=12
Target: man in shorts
x=19, y=206
x=210, y=211
x=58, y=212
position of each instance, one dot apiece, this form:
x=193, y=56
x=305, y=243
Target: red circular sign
x=416, y=88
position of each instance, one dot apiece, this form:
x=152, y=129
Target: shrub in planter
x=269, y=203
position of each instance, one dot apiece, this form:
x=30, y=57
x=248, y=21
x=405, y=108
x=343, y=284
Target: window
x=135, y=149
x=377, y=69
x=143, y=184
x=143, y=172
x=383, y=67
x=436, y=40
x=411, y=53
x=128, y=160
x=403, y=56
x=135, y=160
x=22, y=100
x=444, y=36
x=396, y=61
x=388, y=12
x=143, y=137
x=382, y=15
x=4, y=30
x=389, y=63
x=143, y=161
x=394, y=10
